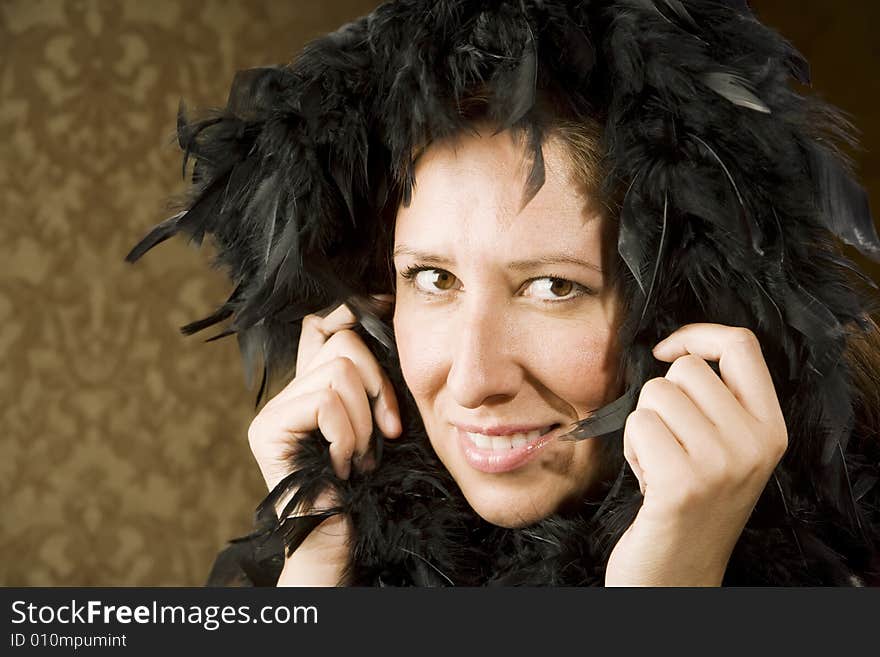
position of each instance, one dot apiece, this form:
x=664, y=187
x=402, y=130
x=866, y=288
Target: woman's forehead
x=472, y=187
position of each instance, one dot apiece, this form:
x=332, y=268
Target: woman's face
x=505, y=323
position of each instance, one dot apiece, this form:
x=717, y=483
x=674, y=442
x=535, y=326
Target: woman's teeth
x=508, y=442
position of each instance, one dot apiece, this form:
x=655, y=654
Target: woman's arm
x=337, y=389
x=322, y=557
x=703, y=448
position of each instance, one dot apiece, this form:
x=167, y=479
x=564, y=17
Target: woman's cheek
x=421, y=347
x=578, y=363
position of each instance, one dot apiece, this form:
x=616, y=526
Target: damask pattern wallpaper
x=124, y=458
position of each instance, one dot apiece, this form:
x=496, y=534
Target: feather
x=304, y=167
x=578, y=51
x=263, y=381
x=217, y=316
x=855, y=516
x=260, y=214
x=222, y=334
x=677, y=6
x=753, y=231
x=435, y=568
x=657, y=260
x=787, y=347
x=296, y=529
x=799, y=67
x=844, y=204
x=366, y=311
x=864, y=486
x=343, y=177
x=515, y=93
x=254, y=90
x=184, y=138
x=187, y=134
x=735, y=89
x=606, y=420
x=537, y=174
x=200, y=218
x=741, y=6
x=631, y=244
x=836, y=415
x=248, y=346
x=157, y=235
x=858, y=273
x=790, y=519
x=613, y=493
x=813, y=320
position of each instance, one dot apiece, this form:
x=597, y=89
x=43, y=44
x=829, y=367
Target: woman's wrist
x=322, y=558
x=671, y=552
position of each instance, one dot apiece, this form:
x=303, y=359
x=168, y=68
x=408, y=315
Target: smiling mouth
x=508, y=442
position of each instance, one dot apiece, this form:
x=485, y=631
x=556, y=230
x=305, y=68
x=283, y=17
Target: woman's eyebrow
x=517, y=265
x=555, y=259
x=421, y=256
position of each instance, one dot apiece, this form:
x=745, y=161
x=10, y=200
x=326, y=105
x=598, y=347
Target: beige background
x=123, y=456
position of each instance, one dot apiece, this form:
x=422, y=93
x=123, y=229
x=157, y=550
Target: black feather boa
x=413, y=527
x=731, y=191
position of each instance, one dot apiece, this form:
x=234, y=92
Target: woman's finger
x=707, y=391
x=322, y=410
x=740, y=362
x=316, y=330
x=379, y=388
x=341, y=375
x=690, y=426
x=650, y=446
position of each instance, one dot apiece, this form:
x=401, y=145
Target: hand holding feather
x=337, y=388
x=703, y=448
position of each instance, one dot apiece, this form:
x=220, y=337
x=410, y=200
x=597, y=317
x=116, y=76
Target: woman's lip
x=492, y=461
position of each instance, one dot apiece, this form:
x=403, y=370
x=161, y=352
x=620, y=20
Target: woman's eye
x=551, y=288
x=433, y=279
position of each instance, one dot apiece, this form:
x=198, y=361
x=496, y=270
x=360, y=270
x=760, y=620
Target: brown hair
x=862, y=355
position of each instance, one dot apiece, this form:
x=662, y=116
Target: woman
x=625, y=347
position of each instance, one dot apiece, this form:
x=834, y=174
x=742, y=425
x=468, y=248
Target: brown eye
x=431, y=280
x=561, y=287
x=443, y=279
x=551, y=288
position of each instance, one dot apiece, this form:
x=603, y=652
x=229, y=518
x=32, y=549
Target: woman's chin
x=511, y=512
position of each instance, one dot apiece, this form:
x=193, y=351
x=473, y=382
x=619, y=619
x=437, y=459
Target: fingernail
x=363, y=462
x=392, y=422
x=368, y=462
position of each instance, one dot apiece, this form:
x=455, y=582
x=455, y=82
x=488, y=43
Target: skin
x=340, y=389
x=500, y=347
x=485, y=347
x=703, y=449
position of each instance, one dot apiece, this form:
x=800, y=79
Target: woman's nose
x=484, y=367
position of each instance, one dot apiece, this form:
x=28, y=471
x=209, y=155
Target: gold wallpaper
x=124, y=457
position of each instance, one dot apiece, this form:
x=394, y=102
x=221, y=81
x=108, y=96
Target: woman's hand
x=337, y=388
x=703, y=449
